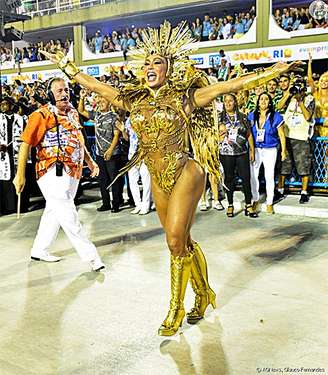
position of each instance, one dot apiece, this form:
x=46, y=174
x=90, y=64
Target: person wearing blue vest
x=268, y=131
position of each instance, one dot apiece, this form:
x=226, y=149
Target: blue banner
x=215, y=60
x=93, y=71
x=4, y=80
x=198, y=60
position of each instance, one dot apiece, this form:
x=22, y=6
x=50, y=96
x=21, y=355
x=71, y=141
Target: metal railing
x=319, y=174
x=35, y=8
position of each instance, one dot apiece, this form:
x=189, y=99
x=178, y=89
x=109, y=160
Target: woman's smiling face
x=155, y=70
x=264, y=102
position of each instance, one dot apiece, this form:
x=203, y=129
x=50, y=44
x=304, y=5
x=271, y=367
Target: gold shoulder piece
x=204, y=135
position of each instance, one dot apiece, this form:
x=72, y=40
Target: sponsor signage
x=93, y=71
x=214, y=60
x=267, y=55
x=4, y=80
x=198, y=60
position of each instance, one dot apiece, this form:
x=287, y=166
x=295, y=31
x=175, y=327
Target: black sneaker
x=304, y=198
x=103, y=208
x=279, y=196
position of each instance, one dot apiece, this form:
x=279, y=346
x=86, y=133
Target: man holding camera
x=299, y=130
x=55, y=131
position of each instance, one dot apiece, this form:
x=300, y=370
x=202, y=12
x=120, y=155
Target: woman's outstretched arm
x=205, y=95
x=102, y=89
x=73, y=72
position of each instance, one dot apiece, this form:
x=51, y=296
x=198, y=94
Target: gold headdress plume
x=171, y=43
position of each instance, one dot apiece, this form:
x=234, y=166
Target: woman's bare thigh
x=183, y=201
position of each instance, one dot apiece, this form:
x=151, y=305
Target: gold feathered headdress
x=172, y=43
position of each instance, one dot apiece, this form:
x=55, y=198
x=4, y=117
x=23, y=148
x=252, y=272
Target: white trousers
x=268, y=157
x=60, y=211
x=134, y=174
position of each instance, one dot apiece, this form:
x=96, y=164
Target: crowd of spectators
x=114, y=42
x=225, y=27
x=291, y=19
x=27, y=97
x=209, y=28
x=31, y=53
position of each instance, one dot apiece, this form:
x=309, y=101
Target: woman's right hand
x=53, y=57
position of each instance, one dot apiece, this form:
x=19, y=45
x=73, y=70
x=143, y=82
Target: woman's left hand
x=283, y=67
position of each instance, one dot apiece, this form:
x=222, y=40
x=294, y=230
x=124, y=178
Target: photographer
x=299, y=130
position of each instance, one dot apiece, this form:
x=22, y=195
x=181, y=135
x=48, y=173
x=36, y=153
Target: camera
x=298, y=87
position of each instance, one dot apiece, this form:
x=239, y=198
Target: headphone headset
x=50, y=94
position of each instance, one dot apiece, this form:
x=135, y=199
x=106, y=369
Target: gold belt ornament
x=156, y=144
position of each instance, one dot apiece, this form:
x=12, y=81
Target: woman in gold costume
x=168, y=98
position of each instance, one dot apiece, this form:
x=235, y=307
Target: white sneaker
x=135, y=211
x=203, y=206
x=97, y=265
x=218, y=205
x=143, y=212
x=45, y=257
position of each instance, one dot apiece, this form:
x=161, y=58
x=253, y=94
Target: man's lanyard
x=58, y=138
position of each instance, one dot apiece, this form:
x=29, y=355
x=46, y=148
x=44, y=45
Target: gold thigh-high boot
x=199, y=282
x=180, y=272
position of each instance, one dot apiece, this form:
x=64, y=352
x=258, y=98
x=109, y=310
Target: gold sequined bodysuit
x=160, y=124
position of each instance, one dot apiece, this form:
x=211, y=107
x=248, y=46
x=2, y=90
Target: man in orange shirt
x=55, y=131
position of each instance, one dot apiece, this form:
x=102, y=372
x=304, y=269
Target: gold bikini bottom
x=167, y=175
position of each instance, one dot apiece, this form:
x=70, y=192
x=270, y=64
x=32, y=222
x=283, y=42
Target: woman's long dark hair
x=270, y=109
x=240, y=116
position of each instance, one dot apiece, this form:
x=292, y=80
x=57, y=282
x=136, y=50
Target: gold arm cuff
x=67, y=66
x=260, y=79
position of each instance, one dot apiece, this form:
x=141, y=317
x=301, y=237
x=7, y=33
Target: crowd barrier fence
x=319, y=175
